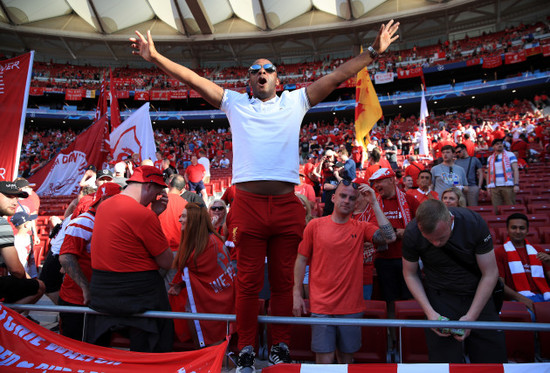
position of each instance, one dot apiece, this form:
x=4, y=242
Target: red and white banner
x=178, y=95
x=61, y=175
x=36, y=91
x=383, y=78
x=156, y=95
x=134, y=135
x=26, y=346
x=15, y=79
x=141, y=96
x=408, y=368
x=515, y=57
x=473, y=61
x=409, y=73
x=492, y=61
x=545, y=50
x=74, y=94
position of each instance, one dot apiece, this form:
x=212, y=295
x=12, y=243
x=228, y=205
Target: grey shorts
x=326, y=338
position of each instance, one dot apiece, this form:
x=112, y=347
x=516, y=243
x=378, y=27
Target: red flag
x=115, y=113
x=515, y=57
x=492, y=61
x=60, y=176
x=26, y=346
x=101, y=109
x=15, y=78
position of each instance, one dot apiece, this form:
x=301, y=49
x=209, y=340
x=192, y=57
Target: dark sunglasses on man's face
x=217, y=208
x=268, y=67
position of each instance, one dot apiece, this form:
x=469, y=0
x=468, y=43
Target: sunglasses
x=217, y=208
x=347, y=182
x=268, y=67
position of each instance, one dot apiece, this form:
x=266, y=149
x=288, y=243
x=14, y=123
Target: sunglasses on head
x=217, y=208
x=347, y=182
x=268, y=67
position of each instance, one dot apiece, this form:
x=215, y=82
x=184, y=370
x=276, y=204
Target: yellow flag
x=367, y=110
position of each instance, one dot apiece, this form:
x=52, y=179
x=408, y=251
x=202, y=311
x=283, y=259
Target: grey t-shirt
x=6, y=236
x=446, y=177
x=470, y=166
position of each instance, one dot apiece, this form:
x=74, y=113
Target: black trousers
x=482, y=345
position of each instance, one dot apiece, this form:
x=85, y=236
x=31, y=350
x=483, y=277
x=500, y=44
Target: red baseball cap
x=107, y=189
x=148, y=174
x=383, y=173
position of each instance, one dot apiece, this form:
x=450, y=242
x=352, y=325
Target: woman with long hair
x=453, y=197
x=218, y=213
x=205, y=276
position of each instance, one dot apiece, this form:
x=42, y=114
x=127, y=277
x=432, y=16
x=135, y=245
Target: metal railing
x=393, y=323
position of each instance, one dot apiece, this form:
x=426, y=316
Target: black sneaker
x=245, y=361
x=279, y=354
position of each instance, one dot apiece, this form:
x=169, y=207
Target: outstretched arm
x=145, y=48
x=321, y=88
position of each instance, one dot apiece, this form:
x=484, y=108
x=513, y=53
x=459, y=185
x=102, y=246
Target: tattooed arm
x=385, y=234
x=69, y=262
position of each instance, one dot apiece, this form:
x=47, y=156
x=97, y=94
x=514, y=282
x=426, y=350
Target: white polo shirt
x=265, y=135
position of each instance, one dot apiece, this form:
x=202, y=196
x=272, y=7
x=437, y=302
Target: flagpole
x=423, y=150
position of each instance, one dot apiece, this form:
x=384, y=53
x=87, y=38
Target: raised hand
x=386, y=36
x=144, y=47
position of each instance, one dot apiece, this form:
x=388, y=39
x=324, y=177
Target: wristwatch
x=373, y=54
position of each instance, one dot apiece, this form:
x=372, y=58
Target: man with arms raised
x=265, y=131
x=334, y=246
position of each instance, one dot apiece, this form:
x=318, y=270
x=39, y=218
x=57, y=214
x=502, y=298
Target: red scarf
x=518, y=271
x=506, y=165
x=401, y=201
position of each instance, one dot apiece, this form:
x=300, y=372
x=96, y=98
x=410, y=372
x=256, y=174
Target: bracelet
x=373, y=54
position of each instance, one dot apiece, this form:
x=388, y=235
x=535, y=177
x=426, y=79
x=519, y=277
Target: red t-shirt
x=308, y=169
x=127, y=236
x=169, y=220
x=77, y=242
x=31, y=204
x=336, y=264
x=195, y=173
x=470, y=147
x=413, y=170
x=421, y=197
x=391, y=209
x=307, y=191
x=504, y=268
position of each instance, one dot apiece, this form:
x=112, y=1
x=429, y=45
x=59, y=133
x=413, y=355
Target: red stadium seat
x=539, y=220
x=520, y=344
x=507, y=210
x=482, y=210
x=413, y=342
x=495, y=221
x=540, y=198
x=544, y=234
x=542, y=314
x=539, y=208
x=374, y=340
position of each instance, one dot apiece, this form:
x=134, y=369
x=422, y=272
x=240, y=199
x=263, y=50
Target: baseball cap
x=9, y=188
x=383, y=173
x=104, y=173
x=107, y=189
x=19, y=218
x=360, y=180
x=91, y=167
x=147, y=174
x=21, y=182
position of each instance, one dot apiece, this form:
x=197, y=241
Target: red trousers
x=272, y=226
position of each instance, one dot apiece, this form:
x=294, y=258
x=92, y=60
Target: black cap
x=104, y=173
x=9, y=188
x=91, y=167
x=20, y=217
x=21, y=182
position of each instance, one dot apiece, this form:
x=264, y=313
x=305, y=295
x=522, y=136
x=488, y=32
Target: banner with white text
x=15, y=78
x=28, y=347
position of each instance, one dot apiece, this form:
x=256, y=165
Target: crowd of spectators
x=126, y=78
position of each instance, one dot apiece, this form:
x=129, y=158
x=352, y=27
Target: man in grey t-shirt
x=474, y=173
x=448, y=174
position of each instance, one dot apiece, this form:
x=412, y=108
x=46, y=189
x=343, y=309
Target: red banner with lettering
x=141, y=96
x=515, y=57
x=74, y=94
x=193, y=94
x=178, y=95
x=15, y=78
x=156, y=95
x=492, y=61
x=409, y=73
x=546, y=50
x=26, y=346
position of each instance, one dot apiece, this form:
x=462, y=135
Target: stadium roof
x=236, y=31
